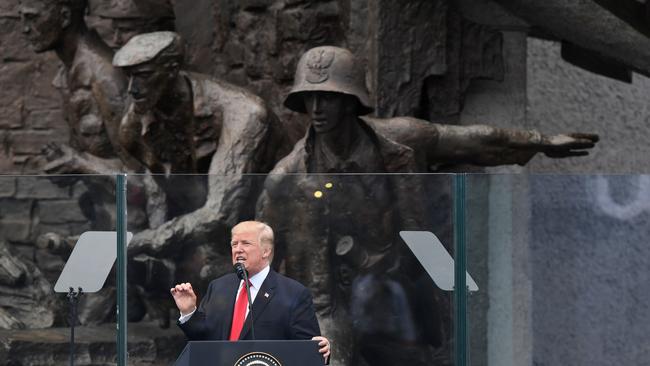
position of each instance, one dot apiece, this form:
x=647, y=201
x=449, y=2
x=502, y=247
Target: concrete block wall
x=34, y=205
x=30, y=107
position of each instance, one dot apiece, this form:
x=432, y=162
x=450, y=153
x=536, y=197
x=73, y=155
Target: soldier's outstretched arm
x=63, y=159
x=490, y=146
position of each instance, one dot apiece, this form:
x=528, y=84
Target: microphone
x=242, y=273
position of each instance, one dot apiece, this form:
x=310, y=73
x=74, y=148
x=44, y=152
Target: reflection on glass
x=40, y=221
x=561, y=261
x=92, y=258
x=336, y=234
x=435, y=259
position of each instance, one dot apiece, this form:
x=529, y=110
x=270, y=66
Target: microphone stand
x=242, y=273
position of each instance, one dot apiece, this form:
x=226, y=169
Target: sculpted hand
x=184, y=297
x=52, y=151
x=61, y=159
x=573, y=144
x=323, y=346
x=142, y=242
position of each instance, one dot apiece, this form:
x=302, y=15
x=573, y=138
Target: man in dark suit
x=282, y=307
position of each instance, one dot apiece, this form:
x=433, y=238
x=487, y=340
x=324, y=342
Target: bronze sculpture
x=93, y=95
x=329, y=87
x=25, y=300
x=435, y=143
x=92, y=89
x=183, y=122
x=128, y=18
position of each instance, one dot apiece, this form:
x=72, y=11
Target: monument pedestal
x=148, y=344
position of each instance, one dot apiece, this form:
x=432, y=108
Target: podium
x=245, y=353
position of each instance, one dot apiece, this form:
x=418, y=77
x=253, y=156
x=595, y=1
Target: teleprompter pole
x=73, y=299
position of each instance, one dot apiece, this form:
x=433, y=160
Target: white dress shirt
x=256, y=282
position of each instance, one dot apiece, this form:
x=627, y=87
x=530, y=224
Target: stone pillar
x=500, y=313
x=408, y=43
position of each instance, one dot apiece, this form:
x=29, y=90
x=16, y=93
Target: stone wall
x=30, y=207
x=589, y=256
x=562, y=96
x=562, y=257
x=34, y=205
x=30, y=108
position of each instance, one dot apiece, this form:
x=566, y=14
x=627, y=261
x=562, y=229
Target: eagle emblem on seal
x=318, y=64
x=257, y=359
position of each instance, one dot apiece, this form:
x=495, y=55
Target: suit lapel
x=264, y=296
x=232, y=288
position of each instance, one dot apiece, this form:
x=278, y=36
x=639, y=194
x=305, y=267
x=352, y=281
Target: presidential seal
x=257, y=359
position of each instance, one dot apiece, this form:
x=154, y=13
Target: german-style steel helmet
x=330, y=69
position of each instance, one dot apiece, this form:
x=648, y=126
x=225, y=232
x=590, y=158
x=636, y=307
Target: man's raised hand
x=184, y=297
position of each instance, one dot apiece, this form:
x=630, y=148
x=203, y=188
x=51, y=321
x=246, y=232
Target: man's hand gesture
x=323, y=347
x=184, y=297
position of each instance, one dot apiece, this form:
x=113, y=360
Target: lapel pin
x=266, y=294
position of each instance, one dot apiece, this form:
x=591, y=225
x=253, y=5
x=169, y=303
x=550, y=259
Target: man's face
x=92, y=136
x=43, y=23
x=246, y=248
x=123, y=29
x=327, y=109
x=147, y=83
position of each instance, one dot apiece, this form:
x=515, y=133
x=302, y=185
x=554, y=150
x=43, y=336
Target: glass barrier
x=556, y=265
x=41, y=220
x=562, y=267
x=361, y=244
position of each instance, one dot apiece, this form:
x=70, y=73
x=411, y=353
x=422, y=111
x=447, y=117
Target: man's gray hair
x=265, y=233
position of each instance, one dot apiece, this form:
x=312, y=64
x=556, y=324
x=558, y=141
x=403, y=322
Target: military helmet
x=146, y=47
x=330, y=69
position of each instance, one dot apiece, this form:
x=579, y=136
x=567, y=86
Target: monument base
x=148, y=344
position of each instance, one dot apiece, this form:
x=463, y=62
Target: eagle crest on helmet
x=319, y=63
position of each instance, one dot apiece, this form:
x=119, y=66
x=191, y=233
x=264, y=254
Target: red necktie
x=239, y=315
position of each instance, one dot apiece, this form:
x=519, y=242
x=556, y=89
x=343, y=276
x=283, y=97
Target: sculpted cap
x=132, y=9
x=330, y=69
x=146, y=47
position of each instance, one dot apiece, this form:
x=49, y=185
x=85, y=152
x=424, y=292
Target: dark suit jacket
x=286, y=313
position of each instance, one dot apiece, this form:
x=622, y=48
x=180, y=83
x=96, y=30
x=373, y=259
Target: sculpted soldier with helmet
x=368, y=211
x=362, y=210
